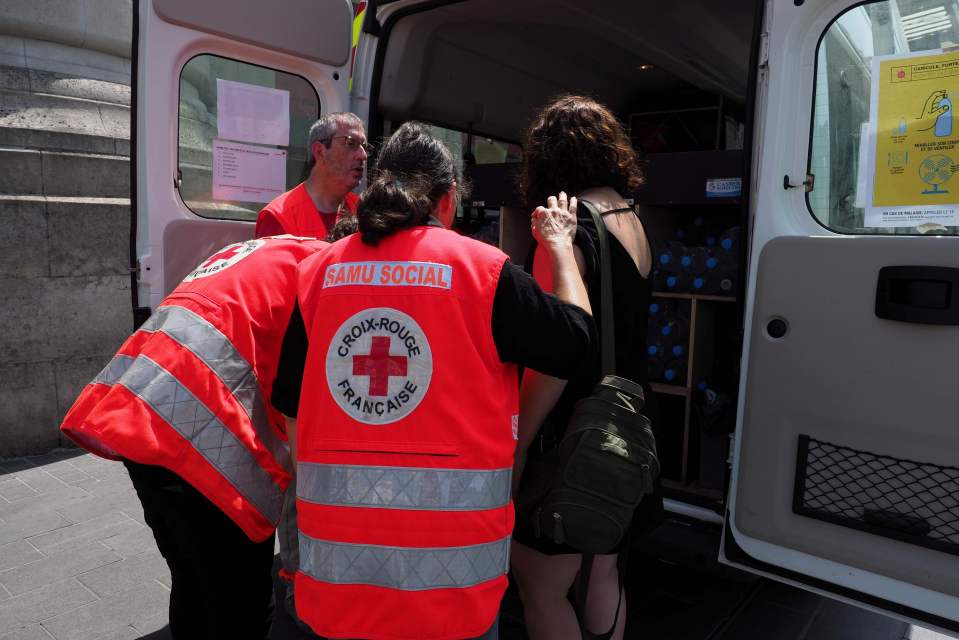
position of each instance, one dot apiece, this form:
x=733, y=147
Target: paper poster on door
x=251, y=113
x=247, y=173
x=915, y=155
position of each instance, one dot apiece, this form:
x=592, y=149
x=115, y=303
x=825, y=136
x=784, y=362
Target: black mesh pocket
x=910, y=501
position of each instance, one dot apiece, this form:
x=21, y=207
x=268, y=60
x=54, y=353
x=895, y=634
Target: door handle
x=925, y=295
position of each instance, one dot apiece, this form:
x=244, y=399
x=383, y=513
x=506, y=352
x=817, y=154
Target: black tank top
x=631, y=298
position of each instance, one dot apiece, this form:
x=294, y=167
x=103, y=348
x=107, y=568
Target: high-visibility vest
x=189, y=390
x=406, y=434
x=296, y=213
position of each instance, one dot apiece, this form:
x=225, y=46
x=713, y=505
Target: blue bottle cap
x=711, y=263
x=686, y=261
x=678, y=350
x=671, y=281
x=710, y=240
x=654, y=307
x=698, y=283
x=727, y=243
x=702, y=385
x=669, y=374
x=698, y=221
x=665, y=257
x=666, y=330
x=652, y=349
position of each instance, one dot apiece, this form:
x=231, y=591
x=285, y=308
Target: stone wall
x=64, y=207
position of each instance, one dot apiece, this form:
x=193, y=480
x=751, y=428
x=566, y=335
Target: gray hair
x=326, y=127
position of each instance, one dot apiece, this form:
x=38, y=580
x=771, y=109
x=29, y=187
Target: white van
x=844, y=464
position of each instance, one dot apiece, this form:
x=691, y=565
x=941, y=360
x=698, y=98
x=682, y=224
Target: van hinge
x=764, y=50
x=732, y=450
x=178, y=181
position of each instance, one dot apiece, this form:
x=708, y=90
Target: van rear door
x=846, y=470
x=225, y=92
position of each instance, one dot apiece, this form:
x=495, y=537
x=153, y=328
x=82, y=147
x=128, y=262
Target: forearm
x=568, y=284
x=539, y=393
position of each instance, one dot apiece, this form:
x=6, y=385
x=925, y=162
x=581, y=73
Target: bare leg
x=602, y=597
x=543, y=583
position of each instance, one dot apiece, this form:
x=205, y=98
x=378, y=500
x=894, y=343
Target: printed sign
x=915, y=136
x=223, y=259
x=251, y=113
x=379, y=366
x=724, y=188
x=246, y=173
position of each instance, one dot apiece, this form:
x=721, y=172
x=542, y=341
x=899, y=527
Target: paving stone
x=41, y=481
x=56, y=567
x=16, y=489
x=29, y=632
x=45, y=602
x=63, y=497
x=156, y=626
x=12, y=465
x=99, y=506
x=14, y=554
x=80, y=534
x=132, y=542
x=38, y=523
x=127, y=575
x=125, y=633
x=108, y=615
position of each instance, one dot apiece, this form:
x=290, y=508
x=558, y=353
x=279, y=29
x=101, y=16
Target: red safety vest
x=406, y=438
x=189, y=391
x=295, y=212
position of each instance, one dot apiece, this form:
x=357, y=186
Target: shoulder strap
x=607, y=337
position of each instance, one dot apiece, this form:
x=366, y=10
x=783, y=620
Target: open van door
x=225, y=93
x=846, y=471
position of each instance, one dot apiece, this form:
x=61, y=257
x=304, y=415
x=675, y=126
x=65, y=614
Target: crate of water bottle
x=705, y=269
x=667, y=340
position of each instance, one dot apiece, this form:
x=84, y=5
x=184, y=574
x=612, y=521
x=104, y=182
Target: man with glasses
x=338, y=153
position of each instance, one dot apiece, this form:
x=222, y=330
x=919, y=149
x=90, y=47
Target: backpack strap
x=607, y=334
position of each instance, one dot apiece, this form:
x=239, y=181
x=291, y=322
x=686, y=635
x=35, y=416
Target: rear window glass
x=242, y=135
x=885, y=141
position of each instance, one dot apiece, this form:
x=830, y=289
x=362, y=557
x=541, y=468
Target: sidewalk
x=77, y=562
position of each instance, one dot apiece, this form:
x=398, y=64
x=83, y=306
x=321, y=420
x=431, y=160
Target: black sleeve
x=289, y=374
x=536, y=329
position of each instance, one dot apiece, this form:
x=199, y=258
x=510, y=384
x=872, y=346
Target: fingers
x=563, y=201
x=551, y=202
x=572, y=205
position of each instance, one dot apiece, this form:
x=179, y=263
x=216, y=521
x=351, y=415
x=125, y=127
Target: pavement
x=77, y=562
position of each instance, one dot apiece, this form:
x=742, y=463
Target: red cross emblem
x=379, y=365
x=901, y=74
x=226, y=254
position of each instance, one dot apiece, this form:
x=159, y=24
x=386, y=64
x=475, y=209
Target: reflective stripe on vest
x=183, y=412
x=403, y=487
x=403, y=568
x=209, y=344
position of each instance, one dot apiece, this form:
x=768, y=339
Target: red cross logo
x=226, y=254
x=901, y=74
x=379, y=365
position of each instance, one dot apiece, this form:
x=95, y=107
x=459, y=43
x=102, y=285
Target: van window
x=885, y=144
x=485, y=150
x=242, y=135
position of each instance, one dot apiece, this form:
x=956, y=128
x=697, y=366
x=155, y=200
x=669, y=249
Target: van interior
x=677, y=76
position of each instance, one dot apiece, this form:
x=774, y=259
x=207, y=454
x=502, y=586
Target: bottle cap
x=711, y=263
x=677, y=350
x=669, y=374
x=652, y=349
x=666, y=330
x=671, y=281
x=686, y=261
x=654, y=307
x=665, y=257
x=727, y=243
x=698, y=283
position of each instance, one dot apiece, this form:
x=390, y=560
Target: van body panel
x=165, y=45
x=865, y=391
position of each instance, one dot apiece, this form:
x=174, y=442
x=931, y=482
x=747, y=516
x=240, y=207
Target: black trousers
x=222, y=585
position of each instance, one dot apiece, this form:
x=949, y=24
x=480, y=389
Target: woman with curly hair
x=576, y=145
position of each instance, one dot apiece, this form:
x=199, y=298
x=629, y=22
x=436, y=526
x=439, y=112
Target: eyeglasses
x=353, y=143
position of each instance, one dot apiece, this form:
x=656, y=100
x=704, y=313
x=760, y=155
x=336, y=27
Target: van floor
x=677, y=591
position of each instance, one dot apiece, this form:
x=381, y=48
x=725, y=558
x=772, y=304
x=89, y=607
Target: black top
x=631, y=297
x=530, y=328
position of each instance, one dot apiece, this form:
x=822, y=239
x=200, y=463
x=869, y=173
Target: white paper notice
x=247, y=173
x=251, y=113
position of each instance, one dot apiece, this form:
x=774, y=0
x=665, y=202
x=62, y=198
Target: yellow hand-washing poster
x=916, y=133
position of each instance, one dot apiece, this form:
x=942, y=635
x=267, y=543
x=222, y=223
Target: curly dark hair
x=575, y=143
